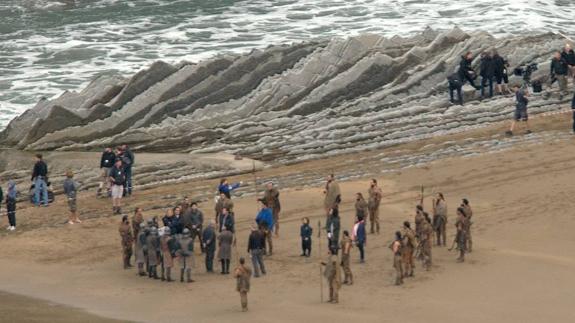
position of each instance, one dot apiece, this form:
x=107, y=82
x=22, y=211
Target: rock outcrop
x=286, y=103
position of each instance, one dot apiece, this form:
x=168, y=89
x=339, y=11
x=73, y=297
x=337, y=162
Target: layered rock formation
x=285, y=103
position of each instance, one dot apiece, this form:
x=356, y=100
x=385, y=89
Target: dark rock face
x=286, y=103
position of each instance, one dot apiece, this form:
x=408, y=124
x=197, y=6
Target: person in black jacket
x=39, y=177
x=128, y=160
x=559, y=71
x=226, y=219
x=466, y=72
x=500, y=66
x=256, y=247
x=521, y=102
x=106, y=163
x=487, y=72
x=305, y=233
x=209, y=241
x=455, y=85
x=569, y=57
x=118, y=178
x=333, y=227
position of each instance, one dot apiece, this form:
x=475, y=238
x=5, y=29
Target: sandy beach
x=520, y=269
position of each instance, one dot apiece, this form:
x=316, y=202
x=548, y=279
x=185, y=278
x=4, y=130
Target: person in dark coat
x=177, y=225
x=559, y=71
x=209, y=240
x=500, y=66
x=128, y=160
x=360, y=237
x=466, y=72
x=225, y=240
x=455, y=86
x=569, y=57
x=193, y=219
x=169, y=220
x=305, y=233
x=487, y=72
x=226, y=220
x=40, y=179
x=117, y=178
x=265, y=221
x=256, y=246
x=106, y=163
x=11, y=195
x=333, y=229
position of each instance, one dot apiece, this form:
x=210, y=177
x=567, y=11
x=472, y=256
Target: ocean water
x=48, y=46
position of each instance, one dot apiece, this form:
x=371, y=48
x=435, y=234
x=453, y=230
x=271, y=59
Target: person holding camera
x=521, y=102
x=559, y=71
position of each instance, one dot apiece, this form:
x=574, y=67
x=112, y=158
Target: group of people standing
x=161, y=244
x=116, y=169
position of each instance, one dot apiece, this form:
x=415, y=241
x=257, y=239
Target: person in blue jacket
x=265, y=221
x=226, y=188
x=305, y=233
x=360, y=237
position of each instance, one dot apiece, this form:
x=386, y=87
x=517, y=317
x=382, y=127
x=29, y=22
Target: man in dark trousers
x=209, y=240
x=128, y=161
x=487, y=72
x=106, y=163
x=226, y=220
x=559, y=71
x=520, y=115
x=256, y=245
x=196, y=218
x=573, y=109
x=39, y=177
x=466, y=72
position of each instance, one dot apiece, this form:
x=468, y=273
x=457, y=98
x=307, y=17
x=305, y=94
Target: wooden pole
x=319, y=253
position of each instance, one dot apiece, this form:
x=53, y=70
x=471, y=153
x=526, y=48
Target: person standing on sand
x=106, y=163
x=425, y=239
x=272, y=200
x=196, y=223
x=440, y=219
x=360, y=237
x=185, y=254
x=223, y=203
x=265, y=221
x=332, y=274
x=346, y=245
x=225, y=240
x=256, y=245
x=468, y=214
x=70, y=189
x=127, y=241
x=11, y=195
x=226, y=188
x=118, y=178
x=243, y=274
x=226, y=220
x=209, y=240
x=374, y=200
x=152, y=246
x=137, y=220
x=460, y=237
x=167, y=245
x=396, y=248
x=305, y=233
x=140, y=247
x=332, y=195
x=419, y=219
x=361, y=209
x=409, y=245
x=39, y=177
x=333, y=228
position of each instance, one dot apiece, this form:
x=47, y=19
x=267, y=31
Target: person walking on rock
x=11, y=195
x=70, y=189
x=39, y=177
x=243, y=274
x=209, y=240
x=305, y=233
x=225, y=240
x=272, y=200
x=106, y=163
x=127, y=241
x=332, y=274
x=346, y=245
x=396, y=248
x=256, y=245
x=332, y=194
x=374, y=200
x=118, y=179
